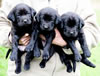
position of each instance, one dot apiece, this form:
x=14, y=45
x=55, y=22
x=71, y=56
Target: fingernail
x=26, y=34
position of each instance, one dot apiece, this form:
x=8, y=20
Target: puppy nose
x=46, y=27
x=71, y=33
x=25, y=20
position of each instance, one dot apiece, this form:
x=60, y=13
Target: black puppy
x=22, y=18
x=47, y=20
x=71, y=30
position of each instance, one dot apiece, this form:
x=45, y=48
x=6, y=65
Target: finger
x=58, y=40
x=42, y=37
x=26, y=41
x=23, y=40
x=26, y=35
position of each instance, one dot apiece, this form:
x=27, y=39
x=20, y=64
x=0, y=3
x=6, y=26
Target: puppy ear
x=81, y=23
x=11, y=16
x=37, y=17
x=62, y=25
x=33, y=12
x=57, y=20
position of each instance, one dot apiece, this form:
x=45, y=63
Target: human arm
x=91, y=28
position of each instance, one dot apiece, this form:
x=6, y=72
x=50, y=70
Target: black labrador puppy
x=71, y=30
x=47, y=20
x=22, y=18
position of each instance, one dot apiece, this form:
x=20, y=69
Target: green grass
x=87, y=71
x=3, y=61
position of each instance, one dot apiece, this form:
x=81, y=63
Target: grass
x=87, y=71
x=3, y=61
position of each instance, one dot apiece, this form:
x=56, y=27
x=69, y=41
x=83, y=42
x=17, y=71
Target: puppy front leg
x=18, y=62
x=18, y=66
x=28, y=58
x=32, y=41
x=84, y=45
x=46, y=49
x=14, y=52
x=44, y=61
x=74, y=50
x=37, y=52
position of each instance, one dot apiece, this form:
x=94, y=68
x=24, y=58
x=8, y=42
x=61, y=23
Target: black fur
x=22, y=18
x=71, y=30
x=47, y=19
x=65, y=58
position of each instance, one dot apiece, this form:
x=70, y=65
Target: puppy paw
x=37, y=54
x=42, y=65
x=87, y=54
x=17, y=71
x=69, y=70
x=28, y=48
x=27, y=66
x=45, y=56
x=78, y=58
x=68, y=65
x=13, y=57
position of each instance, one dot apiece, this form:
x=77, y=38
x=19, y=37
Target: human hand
x=58, y=40
x=23, y=41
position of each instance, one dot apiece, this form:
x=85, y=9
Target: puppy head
x=71, y=24
x=22, y=15
x=47, y=19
